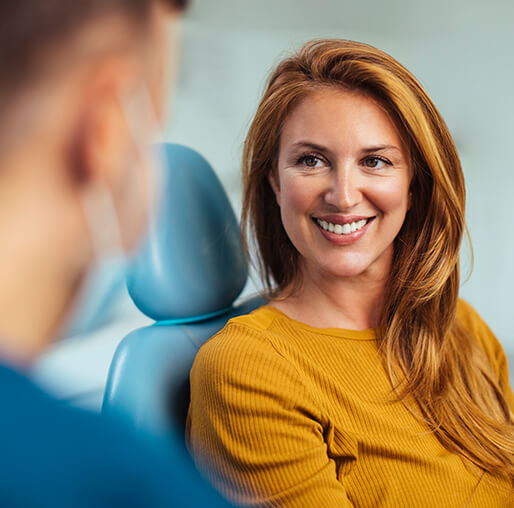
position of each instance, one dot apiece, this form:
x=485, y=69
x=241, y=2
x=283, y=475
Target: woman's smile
x=343, y=230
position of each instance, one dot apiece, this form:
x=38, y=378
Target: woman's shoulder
x=471, y=320
x=247, y=336
x=248, y=356
x=259, y=320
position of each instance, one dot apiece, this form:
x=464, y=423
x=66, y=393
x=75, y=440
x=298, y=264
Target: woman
x=365, y=381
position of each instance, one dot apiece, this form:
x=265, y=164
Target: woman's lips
x=343, y=230
x=343, y=219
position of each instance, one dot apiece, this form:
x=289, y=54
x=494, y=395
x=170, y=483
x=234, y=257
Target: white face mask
x=107, y=274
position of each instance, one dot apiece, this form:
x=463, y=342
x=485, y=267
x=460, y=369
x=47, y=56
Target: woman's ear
x=272, y=179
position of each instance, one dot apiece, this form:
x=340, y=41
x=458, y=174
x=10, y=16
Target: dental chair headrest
x=191, y=265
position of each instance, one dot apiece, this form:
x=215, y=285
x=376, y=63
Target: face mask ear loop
x=152, y=161
x=102, y=221
x=101, y=216
x=106, y=272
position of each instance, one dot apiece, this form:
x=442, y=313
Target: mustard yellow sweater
x=283, y=414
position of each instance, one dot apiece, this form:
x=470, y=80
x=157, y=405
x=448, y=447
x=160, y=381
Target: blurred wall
x=461, y=51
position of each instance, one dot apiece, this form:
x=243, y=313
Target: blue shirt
x=58, y=456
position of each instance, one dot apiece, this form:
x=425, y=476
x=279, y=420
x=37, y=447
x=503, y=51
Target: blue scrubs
x=57, y=456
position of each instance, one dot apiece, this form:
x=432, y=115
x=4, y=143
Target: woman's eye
x=375, y=162
x=310, y=161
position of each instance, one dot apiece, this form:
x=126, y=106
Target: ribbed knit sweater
x=284, y=414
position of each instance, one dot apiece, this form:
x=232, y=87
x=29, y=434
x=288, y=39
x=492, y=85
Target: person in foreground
x=78, y=85
x=365, y=381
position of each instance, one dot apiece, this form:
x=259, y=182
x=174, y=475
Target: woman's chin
x=344, y=271
x=352, y=265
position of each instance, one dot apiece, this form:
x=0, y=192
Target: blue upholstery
x=186, y=276
x=192, y=263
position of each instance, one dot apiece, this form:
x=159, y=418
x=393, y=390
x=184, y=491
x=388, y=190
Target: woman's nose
x=345, y=189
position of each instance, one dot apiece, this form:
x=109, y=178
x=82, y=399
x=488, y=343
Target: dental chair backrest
x=186, y=277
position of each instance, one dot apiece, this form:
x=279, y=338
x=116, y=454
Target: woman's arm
x=254, y=427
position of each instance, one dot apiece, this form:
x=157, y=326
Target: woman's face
x=342, y=184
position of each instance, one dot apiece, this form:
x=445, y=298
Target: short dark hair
x=179, y=4
x=30, y=27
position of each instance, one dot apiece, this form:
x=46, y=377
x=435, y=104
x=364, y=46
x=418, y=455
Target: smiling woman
x=365, y=381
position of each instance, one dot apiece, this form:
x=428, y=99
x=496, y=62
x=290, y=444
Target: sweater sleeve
x=254, y=428
x=491, y=346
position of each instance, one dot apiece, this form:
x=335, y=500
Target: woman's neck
x=324, y=301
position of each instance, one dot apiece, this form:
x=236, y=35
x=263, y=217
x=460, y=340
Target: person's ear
x=275, y=187
x=101, y=138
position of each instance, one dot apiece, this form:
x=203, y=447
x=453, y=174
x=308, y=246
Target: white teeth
x=344, y=229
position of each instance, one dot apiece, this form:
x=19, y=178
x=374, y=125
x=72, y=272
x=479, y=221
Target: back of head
x=39, y=40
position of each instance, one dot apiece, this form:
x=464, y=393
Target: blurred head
x=334, y=71
x=82, y=92
x=45, y=40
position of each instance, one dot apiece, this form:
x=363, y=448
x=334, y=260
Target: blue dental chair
x=186, y=277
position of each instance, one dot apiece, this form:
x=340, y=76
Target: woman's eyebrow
x=309, y=144
x=323, y=149
x=379, y=148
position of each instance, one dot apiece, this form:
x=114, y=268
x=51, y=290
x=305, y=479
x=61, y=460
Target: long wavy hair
x=429, y=355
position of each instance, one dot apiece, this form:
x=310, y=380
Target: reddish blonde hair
x=430, y=357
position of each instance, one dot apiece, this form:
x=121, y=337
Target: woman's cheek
x=391, y=196
x=299, y=194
